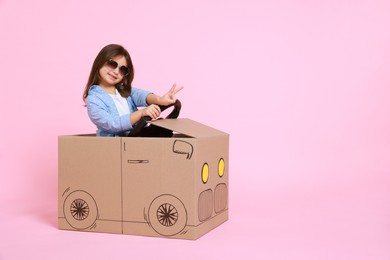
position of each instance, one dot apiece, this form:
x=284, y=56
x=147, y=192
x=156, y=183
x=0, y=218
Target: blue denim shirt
x=104, y=114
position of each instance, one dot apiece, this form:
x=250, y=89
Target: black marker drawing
x=80, y=210
x=137, y=161
x=66, y=191
x=167, y=215
x=182, y=147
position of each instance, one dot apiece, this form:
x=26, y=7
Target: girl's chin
x=113, y=82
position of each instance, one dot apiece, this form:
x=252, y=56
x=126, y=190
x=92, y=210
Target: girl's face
x=113, y=71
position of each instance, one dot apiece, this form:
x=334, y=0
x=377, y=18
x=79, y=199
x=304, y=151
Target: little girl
x=112, y=102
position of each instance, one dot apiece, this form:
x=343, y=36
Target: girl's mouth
x=112, y=77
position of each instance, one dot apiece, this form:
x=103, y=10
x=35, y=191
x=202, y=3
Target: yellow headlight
x=221, y=167
x=205, y=173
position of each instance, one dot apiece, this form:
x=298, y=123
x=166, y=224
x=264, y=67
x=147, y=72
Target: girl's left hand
x=170, y=96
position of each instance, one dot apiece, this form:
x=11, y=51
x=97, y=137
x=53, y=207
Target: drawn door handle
x=137, y=161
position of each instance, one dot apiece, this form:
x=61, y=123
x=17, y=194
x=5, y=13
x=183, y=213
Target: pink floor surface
x=340, y=221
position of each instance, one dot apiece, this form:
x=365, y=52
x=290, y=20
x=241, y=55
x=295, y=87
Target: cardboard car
x=173, y=187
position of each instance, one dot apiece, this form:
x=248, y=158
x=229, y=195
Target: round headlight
x=205, y=173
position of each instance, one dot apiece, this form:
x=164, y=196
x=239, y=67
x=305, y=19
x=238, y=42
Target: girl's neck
x=109, y=89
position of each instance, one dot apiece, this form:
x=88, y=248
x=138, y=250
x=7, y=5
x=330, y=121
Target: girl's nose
x=116, y=70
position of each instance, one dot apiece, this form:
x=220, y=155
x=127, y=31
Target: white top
x=120, y=103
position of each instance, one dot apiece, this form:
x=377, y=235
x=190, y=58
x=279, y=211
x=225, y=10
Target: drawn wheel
x=80, y=210
x=167, y=215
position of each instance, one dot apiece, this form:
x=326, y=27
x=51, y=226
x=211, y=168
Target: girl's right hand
x=152, y=111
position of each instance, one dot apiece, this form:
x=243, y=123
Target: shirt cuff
x=125, y=122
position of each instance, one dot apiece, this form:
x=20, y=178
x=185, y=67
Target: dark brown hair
x=107, y=53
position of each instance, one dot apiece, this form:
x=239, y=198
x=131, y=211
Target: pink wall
x=303, y=88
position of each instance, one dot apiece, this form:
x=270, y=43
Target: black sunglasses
x=123, y=70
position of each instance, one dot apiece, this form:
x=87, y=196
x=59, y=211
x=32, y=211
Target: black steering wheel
x=139, y=126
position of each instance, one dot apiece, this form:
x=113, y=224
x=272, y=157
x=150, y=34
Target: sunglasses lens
x=124, y=70
x=112, y=64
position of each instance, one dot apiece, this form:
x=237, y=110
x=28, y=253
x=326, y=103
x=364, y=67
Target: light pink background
x=302, y=87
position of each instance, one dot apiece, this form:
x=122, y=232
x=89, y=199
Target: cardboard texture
x=164, y=187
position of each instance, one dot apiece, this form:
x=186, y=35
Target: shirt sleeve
x=139, y=97
x=104, y=118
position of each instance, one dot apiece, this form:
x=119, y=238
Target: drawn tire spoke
x=167, y=215
x=79, y=209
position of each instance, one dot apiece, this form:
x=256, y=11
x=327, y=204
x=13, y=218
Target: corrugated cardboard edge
x=188, y=127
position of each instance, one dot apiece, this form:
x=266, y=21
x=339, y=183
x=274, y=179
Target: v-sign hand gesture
x=170, y=96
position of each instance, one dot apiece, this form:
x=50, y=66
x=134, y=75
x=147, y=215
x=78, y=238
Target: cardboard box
x=165, y=187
